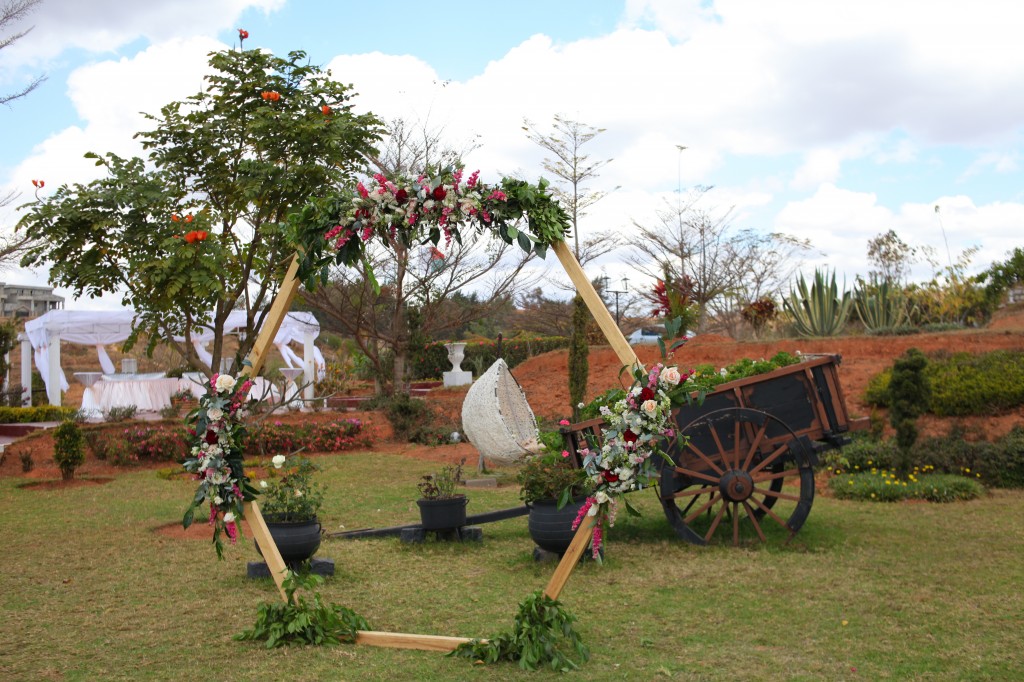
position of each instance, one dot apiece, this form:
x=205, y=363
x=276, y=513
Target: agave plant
x=880, y=305
x=819, y=310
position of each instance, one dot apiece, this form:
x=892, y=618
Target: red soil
x=544, y=380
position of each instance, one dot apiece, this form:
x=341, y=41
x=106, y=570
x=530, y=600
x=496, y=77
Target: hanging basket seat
x=496, y=417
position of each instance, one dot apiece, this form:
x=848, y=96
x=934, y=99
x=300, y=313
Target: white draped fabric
x=100, y=328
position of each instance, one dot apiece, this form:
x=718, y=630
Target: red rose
x=629, y=436
x=646, y=394
x=439, y=193
x=610, y=477
x=401, y=196
x=211, y=437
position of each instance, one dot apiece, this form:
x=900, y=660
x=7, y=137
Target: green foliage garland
x=542, y=628
x=301, y=622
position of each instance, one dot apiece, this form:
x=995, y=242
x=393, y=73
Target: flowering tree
x=195, y=230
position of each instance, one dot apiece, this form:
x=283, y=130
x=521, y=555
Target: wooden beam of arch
x=570, y=559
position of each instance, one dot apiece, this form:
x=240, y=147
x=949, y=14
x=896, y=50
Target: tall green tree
x=196, y=229
x=574, y=169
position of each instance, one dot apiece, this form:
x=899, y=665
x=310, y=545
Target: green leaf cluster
x=302, y=622
x=542, y=629
x=818, y=309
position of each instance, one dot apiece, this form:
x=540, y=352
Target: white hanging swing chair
x=496, y=418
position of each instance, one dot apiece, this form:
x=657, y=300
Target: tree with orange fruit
x=195, y=229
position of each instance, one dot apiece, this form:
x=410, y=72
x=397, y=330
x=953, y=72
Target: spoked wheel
x=738, y=472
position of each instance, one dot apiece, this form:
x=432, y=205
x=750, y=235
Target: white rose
x=229, y=517
x=671, y=376
x=601, y=497
x=650, y=407
x=625, y=473
x=215, y=414
x=225, y=382
x=218, y=500
x=263, y=484
x=278, y=461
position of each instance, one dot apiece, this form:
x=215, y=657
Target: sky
x=825, y=120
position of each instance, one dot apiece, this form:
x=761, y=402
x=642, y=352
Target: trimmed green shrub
x=978, y=384
x=908, y=393
x=431, y=361
x=887, y=487
x=964, y=384
x=67, y=449
x=42, y=413
x=999, y=464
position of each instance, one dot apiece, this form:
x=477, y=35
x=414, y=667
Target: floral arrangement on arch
x=215, y=457
x=632, y=434
x=405, y=212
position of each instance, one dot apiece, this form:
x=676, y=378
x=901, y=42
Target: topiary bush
x=68, y=452
x=908, y=392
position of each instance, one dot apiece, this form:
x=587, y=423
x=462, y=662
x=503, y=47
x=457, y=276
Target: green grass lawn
x=866, y=591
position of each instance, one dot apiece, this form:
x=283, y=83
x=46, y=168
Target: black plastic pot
x=443, y=514
x=297, y=541
x=551, y=527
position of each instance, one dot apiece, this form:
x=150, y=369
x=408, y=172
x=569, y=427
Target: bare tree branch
x=12, y=12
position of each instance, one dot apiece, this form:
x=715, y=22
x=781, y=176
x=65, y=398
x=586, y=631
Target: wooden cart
x=746, y=463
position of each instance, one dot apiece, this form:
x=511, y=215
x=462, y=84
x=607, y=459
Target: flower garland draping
x=634, y=427
x=404, y=212
x=217, y=432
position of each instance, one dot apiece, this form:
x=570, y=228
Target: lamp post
x=617, y=293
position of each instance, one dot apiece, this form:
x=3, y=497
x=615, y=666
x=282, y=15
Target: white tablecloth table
x=146, y=394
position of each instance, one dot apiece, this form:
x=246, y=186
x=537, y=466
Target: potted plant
x=290, y=501
x=441, y=508
x=182, y=400
x=554, y=490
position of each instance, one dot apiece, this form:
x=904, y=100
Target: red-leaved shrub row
x=165, y=443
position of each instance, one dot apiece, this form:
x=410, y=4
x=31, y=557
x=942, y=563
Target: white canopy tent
x=97, y=328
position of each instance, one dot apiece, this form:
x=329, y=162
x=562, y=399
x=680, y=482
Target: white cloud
x=103, y=26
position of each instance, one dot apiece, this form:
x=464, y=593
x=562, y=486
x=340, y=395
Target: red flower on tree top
x=326, y=110
x=242, y=34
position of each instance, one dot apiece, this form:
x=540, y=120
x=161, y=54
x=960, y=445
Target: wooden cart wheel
x=740, y=473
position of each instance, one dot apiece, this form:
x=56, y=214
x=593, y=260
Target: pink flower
x=564, y=422
x=583, y=512
x=565, y=453
x=473, y=179
x=498, y=195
